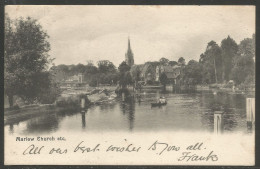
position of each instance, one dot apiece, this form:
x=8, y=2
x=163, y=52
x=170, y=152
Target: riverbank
x=68, y=101
x=28, y=112
x=222, y=88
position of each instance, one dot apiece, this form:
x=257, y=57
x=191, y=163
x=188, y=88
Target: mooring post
x=82, y=103
x=250, y=112
x=218, y=122
x=83, y=118
x=123, y=96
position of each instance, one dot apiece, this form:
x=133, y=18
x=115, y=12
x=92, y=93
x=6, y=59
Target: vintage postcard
x=129, y=85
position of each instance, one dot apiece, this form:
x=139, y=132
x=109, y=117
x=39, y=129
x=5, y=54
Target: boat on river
x=160, y=102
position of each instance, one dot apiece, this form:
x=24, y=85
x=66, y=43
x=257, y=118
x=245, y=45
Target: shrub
x=67, y=102
x=73, y=101
x=50, y=96
x=93, y=82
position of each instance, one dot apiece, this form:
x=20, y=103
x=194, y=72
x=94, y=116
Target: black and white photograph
x=129, y=84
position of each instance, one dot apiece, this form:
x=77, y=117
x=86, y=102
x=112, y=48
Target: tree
x=91, y=69
x=123, y=67
x=244, y=65
x=173, y=63
x=136, y=74
x=154, y=64
x=105, y=66
x=163, y=79
x=191, y=74
x=212, y=63
x=164, y=61
x=80, y=68
x=90, y=63
x=181, y=61
x=229, y=51
x=50, y=94
x=26, y=59
x=124, y=75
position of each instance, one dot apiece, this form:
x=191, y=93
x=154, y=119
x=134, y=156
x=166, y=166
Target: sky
x=93, y=32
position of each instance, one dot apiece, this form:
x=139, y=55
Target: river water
x=192, y=111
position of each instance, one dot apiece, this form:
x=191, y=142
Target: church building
x=129, y=56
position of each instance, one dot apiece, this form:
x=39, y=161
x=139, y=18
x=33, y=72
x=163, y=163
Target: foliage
x=26, y=59
x=154, y=64
x=105, y=73
x=229, y=62
x=125, y=77
x=123, y=67
x=50, y=94
x=163, y=79
x=164, y=61
x=73, y=101
x=212, y=63
x=93, y=81
x=181, y=61
x=67, y=102
x=135, y=73
x=105, y=66
x=173, y=63
x=191, y=74
x=229, y=51
x=244, y=65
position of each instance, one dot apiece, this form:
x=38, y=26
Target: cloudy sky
x=82, y=33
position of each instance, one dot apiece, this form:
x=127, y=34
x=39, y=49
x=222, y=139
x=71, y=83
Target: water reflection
x=233, y=107
x=128, y=108
x=193, y=111
x=11, y=128
x=43, y=124
x=83, y=118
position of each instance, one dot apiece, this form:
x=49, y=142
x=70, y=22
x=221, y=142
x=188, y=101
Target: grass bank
x=26, y=113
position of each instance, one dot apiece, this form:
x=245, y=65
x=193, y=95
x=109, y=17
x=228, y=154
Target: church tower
x=129, y=56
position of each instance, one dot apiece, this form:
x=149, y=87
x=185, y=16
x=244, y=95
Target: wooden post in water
x=218, y=122
x=250, y=112
x=123, y=96
x=83, y=119
x=82, y=103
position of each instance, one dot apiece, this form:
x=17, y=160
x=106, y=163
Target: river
x=184, y=112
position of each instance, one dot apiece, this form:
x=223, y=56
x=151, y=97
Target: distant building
x=75, y=79
x=147, y=72
x=172, y=72
x=73, y=82
x=129, y=56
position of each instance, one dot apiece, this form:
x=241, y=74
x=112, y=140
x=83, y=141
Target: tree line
x=104, y=73
x=220, y=64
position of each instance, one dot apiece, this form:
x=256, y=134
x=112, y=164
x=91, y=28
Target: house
x=75, y=79
x=172, y=72
x=147, y=73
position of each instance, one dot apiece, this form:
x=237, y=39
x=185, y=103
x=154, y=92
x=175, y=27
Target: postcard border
x=128, y=2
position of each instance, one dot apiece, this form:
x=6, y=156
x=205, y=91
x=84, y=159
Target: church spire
x=129, y=46
x=129, y=56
